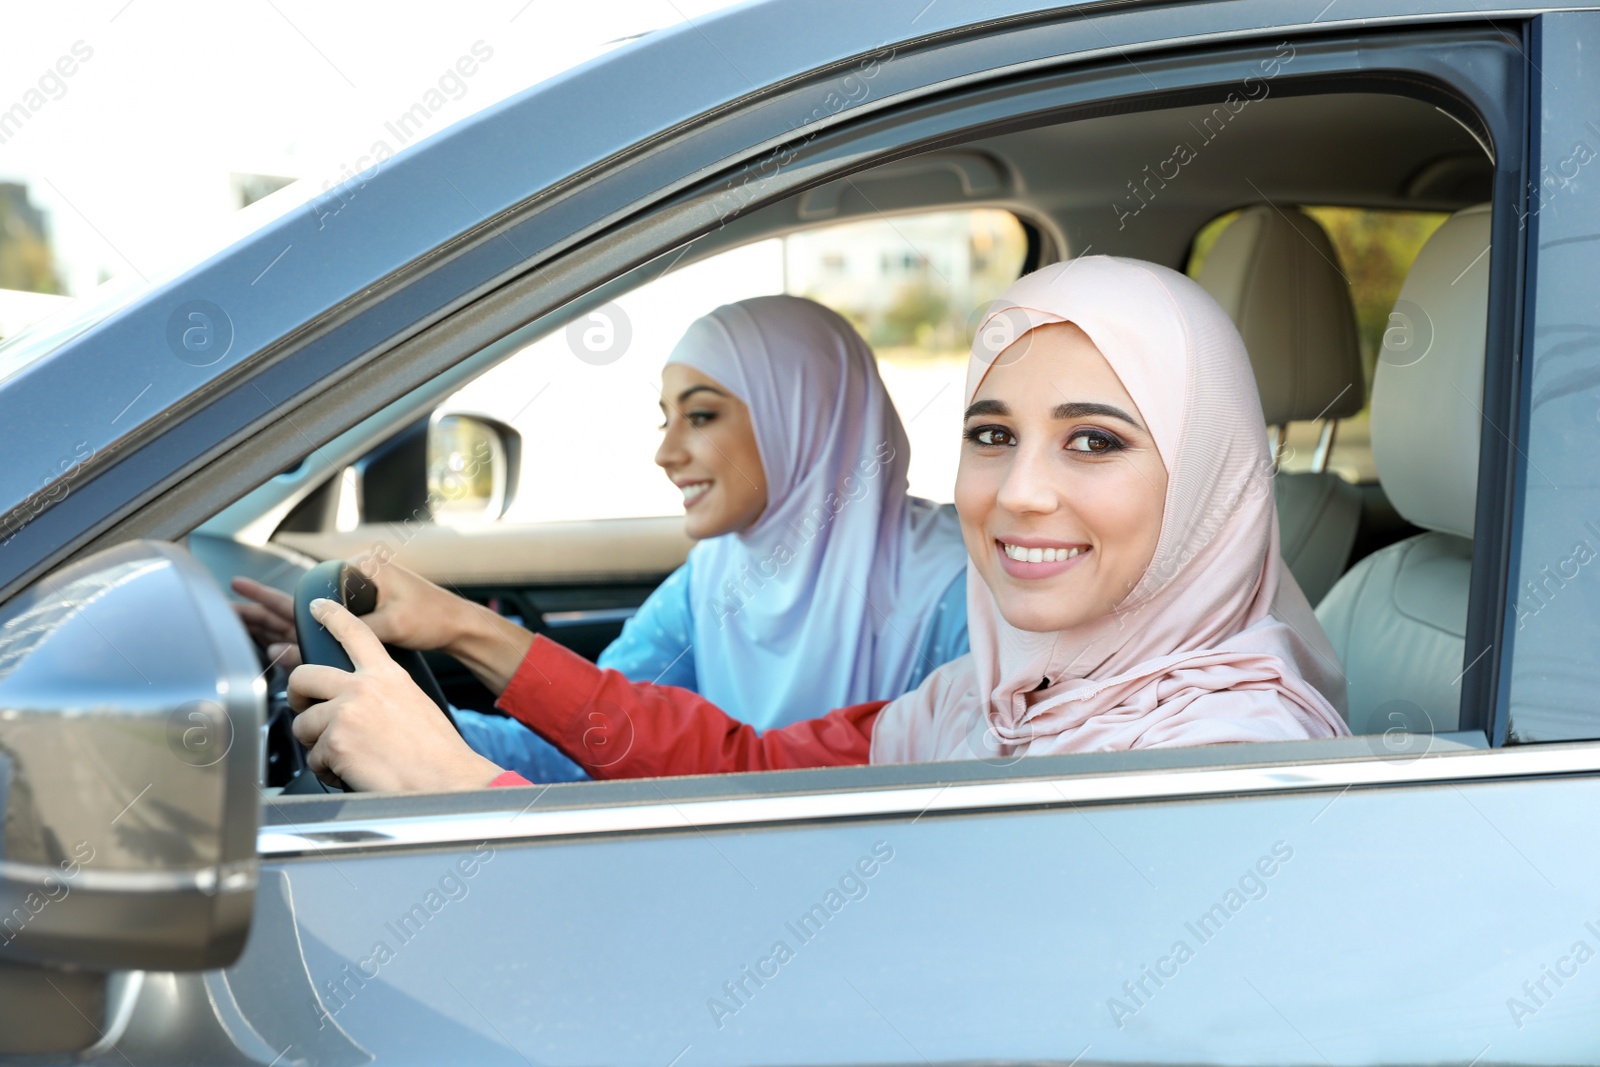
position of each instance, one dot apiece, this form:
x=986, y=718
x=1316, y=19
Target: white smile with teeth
x=1039, y=555
x=694, y=492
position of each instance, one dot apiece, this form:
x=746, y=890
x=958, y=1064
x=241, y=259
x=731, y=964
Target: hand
x=373, y=729
x=268, y=614
x=411, y=611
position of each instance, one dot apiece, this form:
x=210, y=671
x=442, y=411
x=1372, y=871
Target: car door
x=1317, y=901
x=1275, y=905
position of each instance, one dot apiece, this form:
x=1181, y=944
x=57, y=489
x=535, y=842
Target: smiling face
x=708, y=449
x=1060, y=487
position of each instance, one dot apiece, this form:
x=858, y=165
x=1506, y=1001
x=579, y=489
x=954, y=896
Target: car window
x=1375, y=250
x=585, y=397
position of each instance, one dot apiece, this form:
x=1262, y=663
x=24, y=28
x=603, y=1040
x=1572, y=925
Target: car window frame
x=865, y=791
x=1554, y=39
x=317, y=828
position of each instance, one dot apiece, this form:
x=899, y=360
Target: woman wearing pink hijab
x=1125, y=589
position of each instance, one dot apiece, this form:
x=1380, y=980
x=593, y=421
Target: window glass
x=1375, y=250
x=585, y=398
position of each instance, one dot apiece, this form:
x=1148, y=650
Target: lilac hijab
x=827, y=599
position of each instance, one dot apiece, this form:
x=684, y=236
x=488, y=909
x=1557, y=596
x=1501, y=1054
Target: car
x=365, y=372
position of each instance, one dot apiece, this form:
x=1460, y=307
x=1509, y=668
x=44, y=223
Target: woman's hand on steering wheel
x=373, y=729
x=268, y=614
x=412, y=612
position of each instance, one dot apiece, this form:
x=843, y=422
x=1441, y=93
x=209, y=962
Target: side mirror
x=452, y=469
x=472, y=468
x=131, y=704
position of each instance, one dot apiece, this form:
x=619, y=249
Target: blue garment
x=654, y=647
x=509, y=744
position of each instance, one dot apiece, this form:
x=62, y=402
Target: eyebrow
x=693, y=389
x=1070, y=410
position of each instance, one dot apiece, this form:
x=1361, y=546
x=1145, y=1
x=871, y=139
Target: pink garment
x=1216, y=643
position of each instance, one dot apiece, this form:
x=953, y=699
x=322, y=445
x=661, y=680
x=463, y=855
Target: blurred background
x=130, y=129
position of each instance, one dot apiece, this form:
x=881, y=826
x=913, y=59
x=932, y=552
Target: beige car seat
x=1276, y=273
x=1398, y=620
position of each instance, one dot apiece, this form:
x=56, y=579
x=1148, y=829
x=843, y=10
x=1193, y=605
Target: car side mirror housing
x=453, y=469
x=472, y=468
x=131, y=704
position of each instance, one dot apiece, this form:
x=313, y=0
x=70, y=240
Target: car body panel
x=1021, y=930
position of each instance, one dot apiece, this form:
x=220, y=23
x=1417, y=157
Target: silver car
x=1422, y=892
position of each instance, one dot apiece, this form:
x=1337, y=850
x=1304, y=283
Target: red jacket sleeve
x=614, y=728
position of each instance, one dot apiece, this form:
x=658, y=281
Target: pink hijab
x=1216, y=642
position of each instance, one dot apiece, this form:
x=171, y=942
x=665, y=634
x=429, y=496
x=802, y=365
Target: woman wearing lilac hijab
x=817, y=580
x=1126, y=588
x=832, y=594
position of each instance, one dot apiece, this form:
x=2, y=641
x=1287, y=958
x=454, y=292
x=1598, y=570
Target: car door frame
x=1382, y=59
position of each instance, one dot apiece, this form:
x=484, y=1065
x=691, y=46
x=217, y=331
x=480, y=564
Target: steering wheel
x=338, y=581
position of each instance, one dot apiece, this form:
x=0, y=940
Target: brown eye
x=991, y=436
x=1096, y=441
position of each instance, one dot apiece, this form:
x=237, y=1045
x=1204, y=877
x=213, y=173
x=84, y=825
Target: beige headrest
x=1427, y=394
x=1276, y=274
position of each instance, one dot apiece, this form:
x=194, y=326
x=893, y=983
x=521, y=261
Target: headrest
x=1276, y=274
x=1427, y=394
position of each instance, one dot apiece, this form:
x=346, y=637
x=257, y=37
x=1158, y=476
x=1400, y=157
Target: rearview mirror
x=131, y=704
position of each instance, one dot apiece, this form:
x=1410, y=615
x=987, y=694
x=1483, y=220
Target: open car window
x=900, y=277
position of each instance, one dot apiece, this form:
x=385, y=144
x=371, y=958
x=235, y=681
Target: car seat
x=1398, y=620
x=1276, y=274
